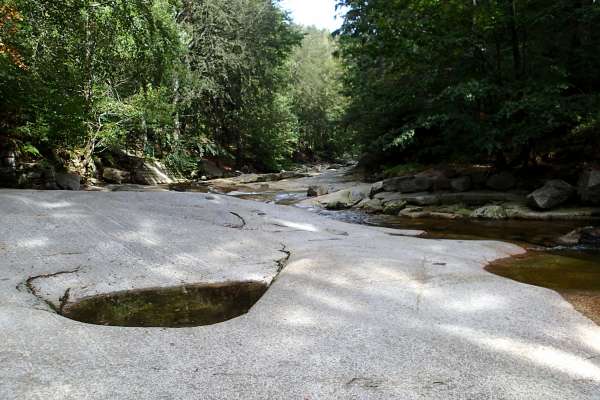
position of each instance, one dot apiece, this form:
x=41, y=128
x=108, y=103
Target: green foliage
x=172, y=79
x=316, y=95
x=502, y=80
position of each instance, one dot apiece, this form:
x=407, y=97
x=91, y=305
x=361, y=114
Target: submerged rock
x=587, y=236
x=552, y=194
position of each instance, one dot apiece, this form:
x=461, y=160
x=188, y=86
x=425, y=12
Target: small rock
x=393, y=207
x=552, y=194
x=316, y=191
x=67, y=181
x=490, y=212
x=502, y=181
x=461, y=184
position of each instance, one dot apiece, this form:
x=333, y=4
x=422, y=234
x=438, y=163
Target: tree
x=502, y=80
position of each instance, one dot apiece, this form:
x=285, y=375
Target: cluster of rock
x=44, y=176
x=474, y=193
x=39, y=177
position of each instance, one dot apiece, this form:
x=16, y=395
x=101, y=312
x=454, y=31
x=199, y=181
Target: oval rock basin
x=173, y=307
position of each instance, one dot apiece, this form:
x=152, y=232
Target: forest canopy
x=509, y=81
x=176, y=80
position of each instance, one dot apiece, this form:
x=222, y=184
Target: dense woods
x=173, y=80
x=508, y=82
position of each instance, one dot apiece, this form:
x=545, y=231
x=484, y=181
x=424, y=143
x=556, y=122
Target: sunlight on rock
x=297, y=225
x=299, y=317
x=546, y=356
x=474, y=304
x=591, y=337
x=33, y=243
x=53, y=206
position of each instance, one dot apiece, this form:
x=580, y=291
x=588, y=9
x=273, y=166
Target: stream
x=574, y=272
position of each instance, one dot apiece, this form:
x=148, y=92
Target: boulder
x=344, y=199
x=490, y=212
x=66, y=181
x=408, y=184
x=589, y=186
x=551, y=195
x=113, y=175
x=461, y=184
x=317, y=190
x=587, y=236
x=151, y=173
x=502, y=181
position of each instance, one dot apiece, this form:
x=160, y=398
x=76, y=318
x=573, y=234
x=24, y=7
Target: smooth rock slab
x=364, y=315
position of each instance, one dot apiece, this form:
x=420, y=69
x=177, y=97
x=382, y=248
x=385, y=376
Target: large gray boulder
x=113, y=175
x=589, y=186
x=502, y=181
x=344, y=199
x=551, y=195
x=66, y=181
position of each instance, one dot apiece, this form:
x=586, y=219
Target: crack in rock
x=63, y=299
x=242, y=220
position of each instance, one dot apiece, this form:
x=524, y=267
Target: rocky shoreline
x=474, y=194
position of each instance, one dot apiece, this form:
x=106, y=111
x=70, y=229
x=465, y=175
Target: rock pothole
x=173, y=307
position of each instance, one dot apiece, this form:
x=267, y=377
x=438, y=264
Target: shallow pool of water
x=174, y=307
